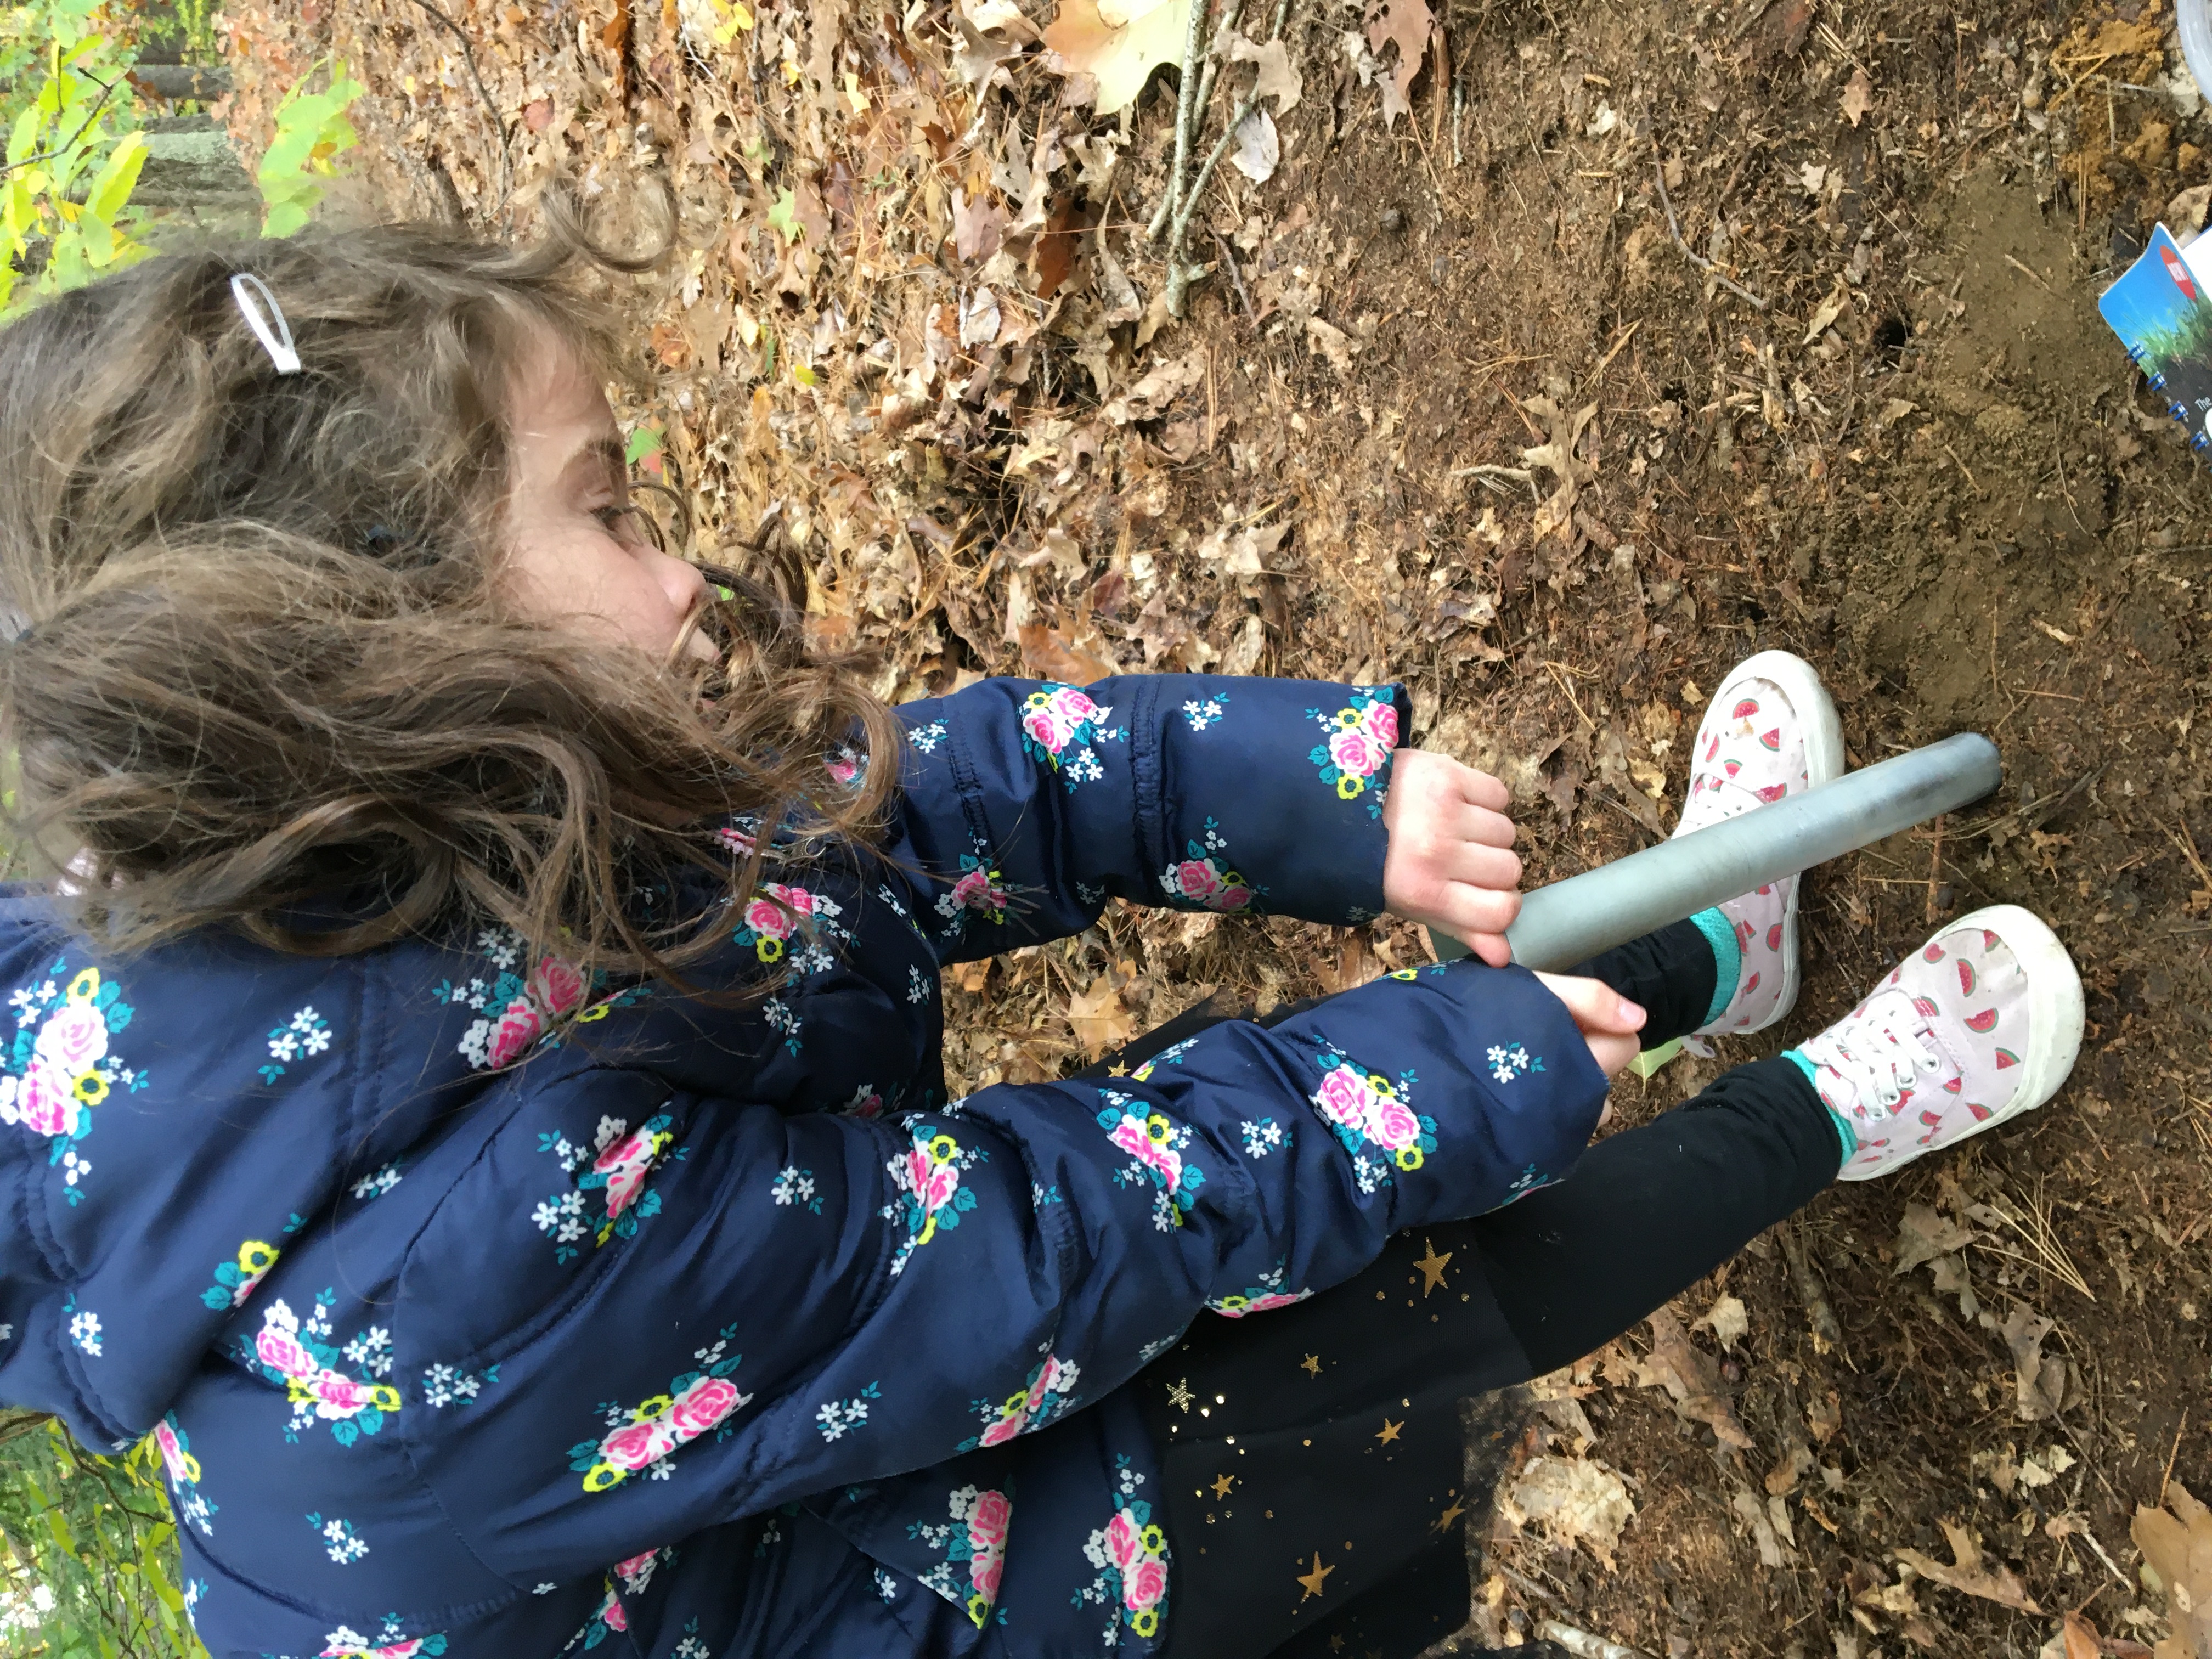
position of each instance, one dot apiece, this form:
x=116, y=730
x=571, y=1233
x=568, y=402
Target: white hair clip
x=270, y=329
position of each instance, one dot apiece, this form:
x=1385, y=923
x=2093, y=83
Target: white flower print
x=917, y=985
x=285, y=1044
x=305, y=1032
x=340, y=1541
x=73, y=1166
x=611, y=1130
x=793, y=1185
x=377, y=1184
x=371, y=1351
x=502, y=947
x=7, y=1332
x=692, y=1648
x=84, y=1331
x=447, y=1385
x=926, y=738
x=1085, y=767
x=1506, y=1064
x=544, y=1590
x=1203, y=714
x=838, y=1418
x=1262, y=1137
x=886, y=1586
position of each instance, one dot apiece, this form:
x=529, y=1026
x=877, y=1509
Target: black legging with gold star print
x=1315, y=1459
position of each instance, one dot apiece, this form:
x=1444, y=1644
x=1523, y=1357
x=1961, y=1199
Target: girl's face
x=579, y=557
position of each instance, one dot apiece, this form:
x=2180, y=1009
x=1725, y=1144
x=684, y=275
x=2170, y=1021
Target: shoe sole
x=2054, y=1020
x=1824, y=763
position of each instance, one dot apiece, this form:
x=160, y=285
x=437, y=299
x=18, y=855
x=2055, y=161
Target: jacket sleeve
x=1025, y=805
x=763, y=1307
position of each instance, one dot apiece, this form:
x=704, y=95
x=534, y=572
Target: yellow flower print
x=1145, y=1623
x=1408, y=1157
x=256, y=1258
x=979, y=1608
x=90, y=1087
x=84, y=987
x=1349, y=787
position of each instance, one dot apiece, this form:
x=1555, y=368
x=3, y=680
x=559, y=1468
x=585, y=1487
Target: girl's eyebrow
x=607, y=451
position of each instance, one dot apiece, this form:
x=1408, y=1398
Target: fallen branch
x=1581, y=1643
x=1827, y=1333
x=1674, y=230
x=1180, y=199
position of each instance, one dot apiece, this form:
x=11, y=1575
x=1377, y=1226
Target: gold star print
x=1221, y=1483
x=1336, y=1643
x=1310, y=1364
x=1312, y=1580
x=1389, y=1431
x=1451, y=1515
x=1179, y=1394
x=1432, y=1268
x=1117, y=1069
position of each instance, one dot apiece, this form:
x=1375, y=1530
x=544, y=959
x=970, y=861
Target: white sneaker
x=1980, y=1025
x=1770, y=732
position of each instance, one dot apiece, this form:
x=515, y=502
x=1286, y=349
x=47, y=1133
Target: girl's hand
x=1448, y=866
x=1608, y=1021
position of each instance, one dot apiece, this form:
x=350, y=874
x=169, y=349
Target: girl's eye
x=613, y=519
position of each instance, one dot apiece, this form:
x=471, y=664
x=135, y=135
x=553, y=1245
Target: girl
x=476, y=1103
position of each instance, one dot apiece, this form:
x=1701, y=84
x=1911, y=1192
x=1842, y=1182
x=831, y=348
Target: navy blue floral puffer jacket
x=689, y=1331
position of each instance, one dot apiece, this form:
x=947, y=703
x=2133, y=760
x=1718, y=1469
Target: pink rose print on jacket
x=697, y=1403
x=1130, y=1554
x=1205, y=878
x=1355, y=743
x=973, y=1540
x=299, y=1352
x=1156, y=1145
x=1259, y=1299
x=929, y=1196
x=978, y=890
x=1059, y=725
x=1373, y=1118
x=779, y=912
x=1050, y=1394
x=621, y=1170
x=57, y=1072
x=522, y=1009
x=346, y=1643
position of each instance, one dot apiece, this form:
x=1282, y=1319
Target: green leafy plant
x=89, y=1565
x=73, y=153
x=313, y=129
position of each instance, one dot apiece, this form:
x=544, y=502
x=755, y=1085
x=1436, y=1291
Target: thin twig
x=1934, y=867
x=1674, y=230
x=1179, y=272
x=1186, y=96
x=106, y=91
x=506, y=147
x=2164, y=1480
x=1243, y=299
x=1230, y=20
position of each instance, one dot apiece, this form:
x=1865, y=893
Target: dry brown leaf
x=1118, y=43
x=1150, y=397
x=1726, y=1320
x=1690, y=1380
x=1052, y=653
x=2039, y=1382
x=1926, y=1233
x=1576, y=1500
x=1334, y=343
x=1409, y=23
x=1858, y=97
x=1967, y=1574
x=1277, y=79
x=1100, y=1021
x=2177, y=1545
x=1259, y=148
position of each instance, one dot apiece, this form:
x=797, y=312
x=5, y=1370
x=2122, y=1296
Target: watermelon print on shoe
x=1770, y=732
x=1979, y=1025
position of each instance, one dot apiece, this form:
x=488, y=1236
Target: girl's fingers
x=1482, y=825
x=1598, y=1009
x=1469, y=910
x=1611, y=1055
x=1480, y=789
x=1478, y=865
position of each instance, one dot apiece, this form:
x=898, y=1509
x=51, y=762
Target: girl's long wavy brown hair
x=267, y=680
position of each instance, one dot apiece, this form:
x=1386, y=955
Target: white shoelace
x=1889, y=1051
